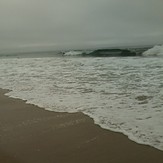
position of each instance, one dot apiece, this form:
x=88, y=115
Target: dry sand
x=29, y=134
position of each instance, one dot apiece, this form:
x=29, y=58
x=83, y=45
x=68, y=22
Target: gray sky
x=56, y=24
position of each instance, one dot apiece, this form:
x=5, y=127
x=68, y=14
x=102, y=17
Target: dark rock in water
x=112, y=53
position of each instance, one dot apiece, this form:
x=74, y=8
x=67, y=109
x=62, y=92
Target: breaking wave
x=155, y=51
x=73, y=53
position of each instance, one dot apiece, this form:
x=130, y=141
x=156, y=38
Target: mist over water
x=120, y=94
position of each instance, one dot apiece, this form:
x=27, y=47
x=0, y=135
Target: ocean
x=122, y=94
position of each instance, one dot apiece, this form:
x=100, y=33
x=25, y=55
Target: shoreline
x=30, y=134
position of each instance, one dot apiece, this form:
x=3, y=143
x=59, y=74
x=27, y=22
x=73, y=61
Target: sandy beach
x=29, y=134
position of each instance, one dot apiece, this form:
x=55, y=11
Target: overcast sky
x=79, y=23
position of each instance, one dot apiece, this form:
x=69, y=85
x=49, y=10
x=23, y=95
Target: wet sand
x=29, y=134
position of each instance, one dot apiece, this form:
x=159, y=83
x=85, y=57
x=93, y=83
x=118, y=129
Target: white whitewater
x=73, y=53
x=155, y=51
x=120, y=94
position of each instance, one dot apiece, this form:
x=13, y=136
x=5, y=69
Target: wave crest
x=155, y=51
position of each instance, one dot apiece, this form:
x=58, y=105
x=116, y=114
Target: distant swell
x=104, y=53
x=116, y=52
x=156, y=51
